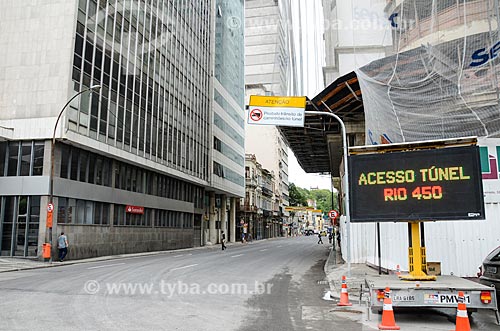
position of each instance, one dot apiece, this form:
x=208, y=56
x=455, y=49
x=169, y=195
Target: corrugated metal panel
x=460, y=246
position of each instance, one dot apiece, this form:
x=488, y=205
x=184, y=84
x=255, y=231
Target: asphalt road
x=267, y=285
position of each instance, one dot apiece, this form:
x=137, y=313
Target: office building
x=135, y=163
x=228, y=181
x=270, y=69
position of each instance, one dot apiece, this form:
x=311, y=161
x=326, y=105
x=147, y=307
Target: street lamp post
x=346, y=179
x=52, y=155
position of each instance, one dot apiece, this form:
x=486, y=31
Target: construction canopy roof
x=318, y=145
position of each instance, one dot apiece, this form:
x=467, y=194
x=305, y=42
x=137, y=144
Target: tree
x=323, y=199
x=297, y=196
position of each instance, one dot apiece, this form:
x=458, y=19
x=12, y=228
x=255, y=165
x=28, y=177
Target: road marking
x=263, y=250
x=185, y=267
x=105, y=266
x=280, y=246
x=177, y=255
x=237, y=255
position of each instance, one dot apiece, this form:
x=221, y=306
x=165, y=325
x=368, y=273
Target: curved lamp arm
x=53, y=142
x=94, y=87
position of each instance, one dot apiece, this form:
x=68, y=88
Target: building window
x=38, y=151
x=75, y=153
x=25, y=158
x=73, y=211
x=218, y=170
x=21, y=159
x=13, y=159
x=3, y=152
x=217, y=144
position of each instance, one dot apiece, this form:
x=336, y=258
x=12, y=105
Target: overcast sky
x=313, y=59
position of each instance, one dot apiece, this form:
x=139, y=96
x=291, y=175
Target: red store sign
x=134, y=210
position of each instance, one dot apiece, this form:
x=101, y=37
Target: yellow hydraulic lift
x=417, y=260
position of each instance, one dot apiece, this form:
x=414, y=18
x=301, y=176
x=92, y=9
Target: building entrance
x=19, y=224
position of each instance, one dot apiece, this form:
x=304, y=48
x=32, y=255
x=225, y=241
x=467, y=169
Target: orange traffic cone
x=344, y=296
x=388, y=321
x=398, y=270
x=462, y=322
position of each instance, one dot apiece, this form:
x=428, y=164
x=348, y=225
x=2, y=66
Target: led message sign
x=436, y=184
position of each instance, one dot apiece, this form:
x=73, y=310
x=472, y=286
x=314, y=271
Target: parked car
x=489, y=272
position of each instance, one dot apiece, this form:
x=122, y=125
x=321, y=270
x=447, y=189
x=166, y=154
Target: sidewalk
x=15, y=264
x=9, y=264
x=334, y=271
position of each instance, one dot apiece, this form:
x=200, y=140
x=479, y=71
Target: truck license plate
x=404, y=298
x=452, y=298
x=491, y=270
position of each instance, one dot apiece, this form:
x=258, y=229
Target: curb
x=334, y=294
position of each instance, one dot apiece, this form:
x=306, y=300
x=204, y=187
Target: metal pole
x=334, y=235
x=378, y=248
x=52, y=154
x=346, y=178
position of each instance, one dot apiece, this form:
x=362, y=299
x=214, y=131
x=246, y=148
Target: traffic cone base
x=462, y=321
x=388, y=321
x=344, y=296
x=382, y=327
x=398, y=271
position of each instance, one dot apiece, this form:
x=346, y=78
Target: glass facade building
x=229, y=94
x=151, y=59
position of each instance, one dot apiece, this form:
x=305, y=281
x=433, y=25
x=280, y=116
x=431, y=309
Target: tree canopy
x=298, y=197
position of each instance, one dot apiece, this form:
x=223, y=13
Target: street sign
x=421, y=185
x=50, y=207
x=282, y=111
x=333, y=214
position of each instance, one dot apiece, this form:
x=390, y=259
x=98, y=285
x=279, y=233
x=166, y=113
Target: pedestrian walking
x=62, y=245
x=223, y=240
x=330, y=237
x=319, y=238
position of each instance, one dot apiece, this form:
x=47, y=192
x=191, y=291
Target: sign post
x=290, y=111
